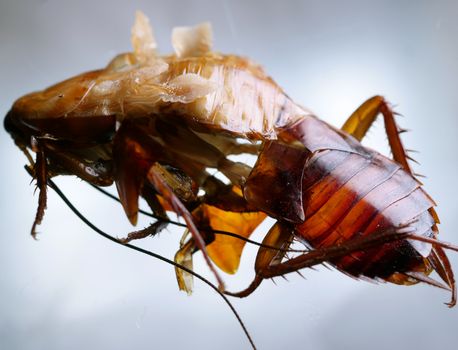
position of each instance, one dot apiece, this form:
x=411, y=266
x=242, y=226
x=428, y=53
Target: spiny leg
x=441, y=265
x=151, y=230
x=436, y=262
x=158, y=211
x=41, y=176
x=361, y=120
x=268, y=262
x=450, y=279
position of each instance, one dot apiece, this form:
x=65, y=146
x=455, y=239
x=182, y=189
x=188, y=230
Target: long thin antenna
x=154, y=255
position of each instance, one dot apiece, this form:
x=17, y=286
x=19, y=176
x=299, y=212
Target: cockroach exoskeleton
x=155, y=126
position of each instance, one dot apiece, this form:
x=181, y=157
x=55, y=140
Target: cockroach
x=157, y=125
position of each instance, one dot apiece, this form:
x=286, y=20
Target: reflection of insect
x=155, y=125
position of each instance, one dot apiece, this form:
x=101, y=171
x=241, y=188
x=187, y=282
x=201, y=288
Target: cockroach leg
x=158, y=212
x=151, y=199
x=268, y=263
x=448, y=271
x=155, y=177
x=41, y=176
x=151, y=230
x=279, y=236
x=438, y=266
x=421, y=277
x=361, y=120
x=438, y=258
x=95, y=170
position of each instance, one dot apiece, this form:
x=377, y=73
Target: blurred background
x=72, y=289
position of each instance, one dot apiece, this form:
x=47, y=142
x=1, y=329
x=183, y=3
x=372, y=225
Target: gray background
x=74, y=290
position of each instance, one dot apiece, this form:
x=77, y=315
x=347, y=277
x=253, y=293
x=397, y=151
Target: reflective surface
x=73, y=289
